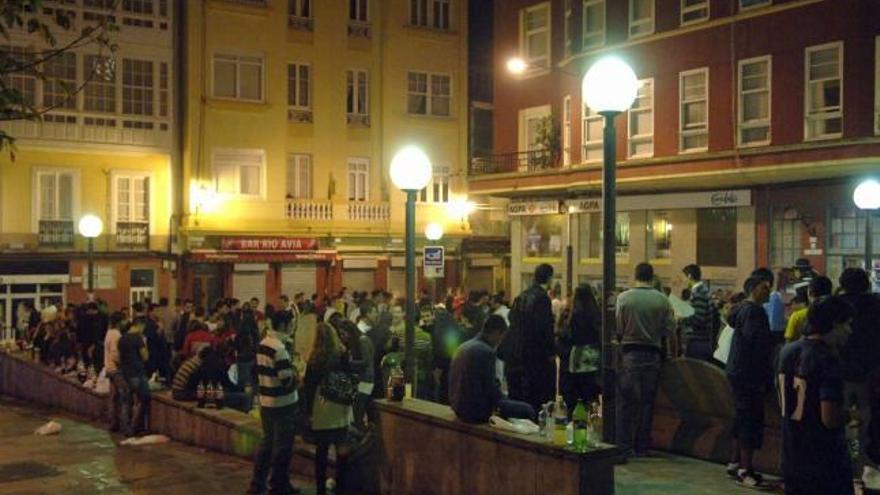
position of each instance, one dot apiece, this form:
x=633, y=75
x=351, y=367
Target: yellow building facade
x=293, y=112
x=107, y=150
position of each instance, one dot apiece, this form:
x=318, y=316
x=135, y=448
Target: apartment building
x=294, y=110
x=106, y=151
x=753, y=123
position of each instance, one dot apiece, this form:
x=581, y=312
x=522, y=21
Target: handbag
x=339, y=387
x=583, y=359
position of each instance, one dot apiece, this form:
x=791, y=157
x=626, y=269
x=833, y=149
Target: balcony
x=368, y=212
x=133, y=235
x=298, y=23
x=525, y=161
x=358, y=120
x=94, y=128
x=299, y=115
x=56, y=233
x=308, y=209
x=360, y=29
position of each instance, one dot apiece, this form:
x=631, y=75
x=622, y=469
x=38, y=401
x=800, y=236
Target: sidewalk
x=667, y=474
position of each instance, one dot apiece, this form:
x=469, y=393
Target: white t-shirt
x=111, y=350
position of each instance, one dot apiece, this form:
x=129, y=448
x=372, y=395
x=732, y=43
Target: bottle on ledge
x=581, y=419
x=560, y=422
x=200, y=395
x=218, y=396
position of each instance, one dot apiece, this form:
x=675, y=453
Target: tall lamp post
x=609, y=87
x=90, y=226
x=410, y=171
x=867, y=197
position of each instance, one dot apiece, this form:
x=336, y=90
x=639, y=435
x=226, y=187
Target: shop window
x=785, y=237
x=591, y=231
x=659, y=238
x=716, y=237
x=542, y=236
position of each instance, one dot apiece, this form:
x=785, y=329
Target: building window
x=641, y=122
x=748, y=4
x=877, y=85
x=437, y=191
x=60, y=81
x=641, y=18
x=55, y=196
x=100, y=90
x=848, y=229
x=824, y=94
x=593, y=24
x=24, y=81
x=239, y=172
x=164, y=98
x=299, y=176
x=144, y=7
x=137, y=87
x=132, y=198
x=591, y=231
x=542, y=236
x=694, y=11
x=429, y=94
x=299, y=86
x=429, y=13
x=566, y=25
x=754, y=101
x=358, y=179
x=785, y=237
x=716, y=236
x=592, y=127
x=659, y=238
x=694, y=108
x=535, y=35
x=566, y=130
x=300, y=8
x=238, y=77
x=358, y=10
x=357, y=99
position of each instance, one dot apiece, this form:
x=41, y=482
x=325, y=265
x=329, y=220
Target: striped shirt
x=276, y=374
x=184, y=375
x=702, y=322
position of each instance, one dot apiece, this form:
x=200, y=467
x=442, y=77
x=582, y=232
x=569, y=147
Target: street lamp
x=90, y=226
x=609, y=88
x=867, y=197
x=433, y=231
x=410, y=171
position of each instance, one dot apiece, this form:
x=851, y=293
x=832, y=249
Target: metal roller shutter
x=246, y=285
x=298, y=278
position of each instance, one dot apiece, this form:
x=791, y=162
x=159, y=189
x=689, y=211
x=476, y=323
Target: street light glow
x=434, y=231
x=90, y=226
x=867, y=195
x=410, y=169
x=517, y=66
x=610, y=86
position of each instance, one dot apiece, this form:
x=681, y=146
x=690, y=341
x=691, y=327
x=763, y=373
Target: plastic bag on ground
x=50, y=428
x=146, y=440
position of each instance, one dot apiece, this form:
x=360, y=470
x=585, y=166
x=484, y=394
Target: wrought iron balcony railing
x=133, y=235
x=525, y=161
x=56, y=233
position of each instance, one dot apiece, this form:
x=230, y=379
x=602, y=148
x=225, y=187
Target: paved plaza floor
x=85, y=460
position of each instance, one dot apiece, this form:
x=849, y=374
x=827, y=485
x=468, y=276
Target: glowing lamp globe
x=867, y=195
x=610, y=86
x=433, y=231
x=90, y=226
x=410, y=169
x=517, y=66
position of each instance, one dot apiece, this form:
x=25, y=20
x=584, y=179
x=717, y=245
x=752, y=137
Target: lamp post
x=867, y=197
x=609, y=87
x=90, y=226
x=410, y=171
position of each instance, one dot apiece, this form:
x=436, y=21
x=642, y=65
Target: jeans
x=246, y=374
x=636, y=391
x=698, y=347
x=118, y=393
x=135, y=418
x=516, y=409
x=275, y=450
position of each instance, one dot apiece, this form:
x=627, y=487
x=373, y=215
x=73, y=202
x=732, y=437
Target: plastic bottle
x=594, y=426
x=200, y=395
x=544, y=420
x=581, y=419
x=560, y=422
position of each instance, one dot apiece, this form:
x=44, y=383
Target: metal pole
x=91, y=284
x=609, y=277
x=409, y=350
x=869, y=241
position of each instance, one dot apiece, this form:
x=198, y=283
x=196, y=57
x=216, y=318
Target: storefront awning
x=229, y=257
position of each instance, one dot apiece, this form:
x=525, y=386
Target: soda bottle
x=560, y=421
x=200, y=395
x=580, y=418
x=594, y=426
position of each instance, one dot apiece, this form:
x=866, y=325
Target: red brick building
x=754, y=122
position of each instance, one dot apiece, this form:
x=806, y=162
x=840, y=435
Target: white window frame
x=429, y=94
x=361, y=12
x=687, y=9
x=353, y=175
x=431, y=193
x=827, y=114
x=296, y=7
x=633, y=23
x=296, y=162
x=427, y=19
x=232, y=56
x=633, y=139
x=741, y=124
x=682, y=132
x=239, y=151
x=525, y=115
x=355, y=75
x=566, y=130
x=35, y=195
x=115, y=175
x=600, y=36
x=566, y=25
x=764, y=3
x=298, y=97
x=877, y=85
x=542, y=62
x=587, y=116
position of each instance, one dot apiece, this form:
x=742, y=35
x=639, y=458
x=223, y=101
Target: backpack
x=339, y=387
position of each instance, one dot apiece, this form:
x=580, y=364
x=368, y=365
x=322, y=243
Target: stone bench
x=427, y=451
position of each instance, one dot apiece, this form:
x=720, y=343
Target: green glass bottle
x=580, y=418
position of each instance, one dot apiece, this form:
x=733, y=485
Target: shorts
x=748, y=418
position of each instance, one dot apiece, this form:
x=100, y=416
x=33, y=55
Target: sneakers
x=750, y=479
x=732, y=470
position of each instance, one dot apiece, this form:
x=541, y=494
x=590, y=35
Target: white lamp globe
x=867, y=195
x=517, y=66
x=410, y=169
x=90, y=226
x=433, y=231
x=610, y=86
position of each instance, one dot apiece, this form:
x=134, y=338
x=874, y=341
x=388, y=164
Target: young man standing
x=815, y=457
x=702, y=324
x=133, y=356
x=750, y=373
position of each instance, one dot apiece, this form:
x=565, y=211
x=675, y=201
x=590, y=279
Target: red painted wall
x=119, y=296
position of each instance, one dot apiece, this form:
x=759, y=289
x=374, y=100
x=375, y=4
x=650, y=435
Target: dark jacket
x=473, y=390
x=861, y=352
x=750, y=362
x=530, y=343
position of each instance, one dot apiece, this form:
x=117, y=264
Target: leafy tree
x=51, y=31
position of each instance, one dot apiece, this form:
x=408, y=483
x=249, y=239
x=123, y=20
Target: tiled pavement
x=84, y=460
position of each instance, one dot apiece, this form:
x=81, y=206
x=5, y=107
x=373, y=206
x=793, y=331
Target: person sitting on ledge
x=474, y=391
